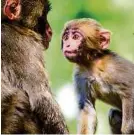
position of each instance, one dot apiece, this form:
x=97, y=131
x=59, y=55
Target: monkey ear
x=104, y=38
x=12, y=9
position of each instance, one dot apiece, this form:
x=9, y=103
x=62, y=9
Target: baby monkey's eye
x=65, y=37
x=76, y=36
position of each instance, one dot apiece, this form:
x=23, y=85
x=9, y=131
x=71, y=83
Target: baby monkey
x=99, y=74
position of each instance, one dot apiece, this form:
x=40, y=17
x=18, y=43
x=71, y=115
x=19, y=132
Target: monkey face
x=72, y=44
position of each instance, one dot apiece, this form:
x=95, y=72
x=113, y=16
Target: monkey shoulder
x=115, y=79
x=16, y=33
x=121, y=72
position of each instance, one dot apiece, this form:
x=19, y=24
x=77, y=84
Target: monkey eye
x=76, y=36
x=65, y=37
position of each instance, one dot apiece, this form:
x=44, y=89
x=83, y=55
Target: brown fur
x=102, y=74
x=28, y=106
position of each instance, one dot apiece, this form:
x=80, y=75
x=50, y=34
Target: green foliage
x=115, y=15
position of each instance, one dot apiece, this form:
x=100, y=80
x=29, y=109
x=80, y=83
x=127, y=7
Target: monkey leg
x=87, y=121
x=128, y=115
x=115, y=121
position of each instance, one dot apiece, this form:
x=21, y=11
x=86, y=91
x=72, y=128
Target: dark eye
x=65, y=37
x=75, y=36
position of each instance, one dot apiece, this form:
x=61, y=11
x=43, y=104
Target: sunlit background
x=115, y=15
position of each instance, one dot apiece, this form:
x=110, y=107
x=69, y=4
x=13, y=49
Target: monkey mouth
x=70, y=54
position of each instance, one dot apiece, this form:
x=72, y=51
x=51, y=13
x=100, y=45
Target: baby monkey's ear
x=105, y=36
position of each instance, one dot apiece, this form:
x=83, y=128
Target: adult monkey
x=99, y=74
x=27, y=103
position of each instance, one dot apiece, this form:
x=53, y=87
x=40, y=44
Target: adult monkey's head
x=84, y=39
x=29, y=14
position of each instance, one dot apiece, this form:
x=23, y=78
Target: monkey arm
x=87, y=114
x=47, y=111
x=87, y=120
x=53, y=121
x=128, y=115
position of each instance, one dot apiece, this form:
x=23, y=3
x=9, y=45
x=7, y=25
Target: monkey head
x=31, y=15
x=83, y=39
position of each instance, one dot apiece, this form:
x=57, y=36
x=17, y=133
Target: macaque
x=99, y=74
x=27, y=103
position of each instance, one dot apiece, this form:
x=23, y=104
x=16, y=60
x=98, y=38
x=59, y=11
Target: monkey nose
x=68, y=45
x=49, y=33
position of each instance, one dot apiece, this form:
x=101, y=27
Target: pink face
x=72, y=41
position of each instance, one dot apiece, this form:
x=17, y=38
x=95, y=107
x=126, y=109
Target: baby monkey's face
x=72, y=44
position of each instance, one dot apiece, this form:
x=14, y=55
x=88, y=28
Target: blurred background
x=115, y=15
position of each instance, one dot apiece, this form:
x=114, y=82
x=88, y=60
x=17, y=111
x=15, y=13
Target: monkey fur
x=99, y=74
x=28, y=106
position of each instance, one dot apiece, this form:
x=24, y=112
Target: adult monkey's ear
x=12, y=9
x=105, y=36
